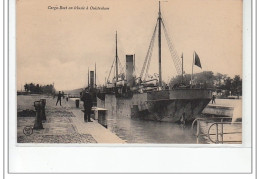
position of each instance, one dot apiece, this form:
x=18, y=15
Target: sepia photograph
x=129, y=72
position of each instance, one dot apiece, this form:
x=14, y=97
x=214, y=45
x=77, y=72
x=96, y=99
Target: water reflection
x=141, y=131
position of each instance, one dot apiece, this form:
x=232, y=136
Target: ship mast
x=161, y=26
x=159, y=45
x=95, y=76
x=182, y=68
x=88, y=77
x=116, y=60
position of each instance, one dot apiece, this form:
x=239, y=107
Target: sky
x=58, y=46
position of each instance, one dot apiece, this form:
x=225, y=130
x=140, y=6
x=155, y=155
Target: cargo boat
x=130, y=97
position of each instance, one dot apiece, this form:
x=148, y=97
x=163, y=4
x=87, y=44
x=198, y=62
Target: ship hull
x=167, y=105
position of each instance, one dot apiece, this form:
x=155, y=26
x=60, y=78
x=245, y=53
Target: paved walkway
x=65, y=124
x=99, y=133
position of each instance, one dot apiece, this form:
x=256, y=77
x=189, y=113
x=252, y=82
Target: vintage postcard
x=130, y=86
x=129, y=72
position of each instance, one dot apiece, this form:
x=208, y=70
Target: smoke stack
x=91, y=79
x=129, y=69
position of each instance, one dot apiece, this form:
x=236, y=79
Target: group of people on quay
x=85, y=96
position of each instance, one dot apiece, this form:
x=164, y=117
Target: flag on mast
x=197, y=60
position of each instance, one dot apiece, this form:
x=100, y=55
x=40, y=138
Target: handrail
x=204, y=118
x=198, y=133
x=222, y=133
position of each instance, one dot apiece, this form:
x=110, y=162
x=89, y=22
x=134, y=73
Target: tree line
x=38, y=89
x=207, y=79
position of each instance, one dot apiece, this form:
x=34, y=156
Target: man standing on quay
x=59, y=99
x=87, y=99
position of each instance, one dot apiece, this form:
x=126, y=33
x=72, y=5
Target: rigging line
x=136, y=70
x=111, y=70
x=149, y=62
x=115, y=74
x=119, y=42
x=174, y=54
x=121, y=66
x=175, y=61
x=149, y=58
x=121, y=50
x=172, y=49
x=98, y=80
x=146, y=58
x=167, y=33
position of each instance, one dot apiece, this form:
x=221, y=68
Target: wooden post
x=198, y=131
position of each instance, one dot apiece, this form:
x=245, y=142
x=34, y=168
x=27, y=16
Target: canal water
x=155, y=132
x=141, y=131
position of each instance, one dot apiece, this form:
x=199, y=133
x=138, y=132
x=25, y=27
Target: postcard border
x=7, y=92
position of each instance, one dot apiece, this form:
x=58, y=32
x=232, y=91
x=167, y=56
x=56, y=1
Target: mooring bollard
x=43, y=101
x=77, y=103
x=100, y=114
x=38, y=118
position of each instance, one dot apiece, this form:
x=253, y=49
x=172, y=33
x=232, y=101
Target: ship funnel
x=91, y=79
x=129, y=69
